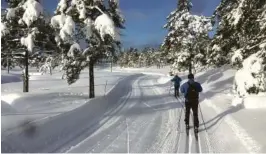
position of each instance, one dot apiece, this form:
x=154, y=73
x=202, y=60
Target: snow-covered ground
x=137, y=115
x=49, y=95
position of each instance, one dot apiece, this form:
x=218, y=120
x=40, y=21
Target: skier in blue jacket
x=177, y=80
x=191, y=90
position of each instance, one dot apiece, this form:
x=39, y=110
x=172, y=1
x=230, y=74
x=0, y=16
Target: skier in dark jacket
x=191, y=90
x=177, y=80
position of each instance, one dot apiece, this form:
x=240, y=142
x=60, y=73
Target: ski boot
x=187, y=129
x=196, y=131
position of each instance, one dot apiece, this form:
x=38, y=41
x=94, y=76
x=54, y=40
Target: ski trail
x=210, y=150
x=170, y=143
x=247, y=141
x=199, y=144
x=127, y=137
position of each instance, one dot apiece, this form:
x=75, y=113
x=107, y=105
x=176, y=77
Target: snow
x=66, y=25
x=4, y=29
x=137, y=116
x=68, y=28
x=58, y=21
x=28, y=42
x=255, y=101
x=11, y=13
x=237, y=57
x=62, y=5
x=6, y=108
x=237, y=13
x=115, y=1
x=80, y=6
x=8, y=78
x=88, y=27
x=216, y=48
x=263, y=19
x=163, y=80
x=33, y=10
x=48, y=94
x=197, y=24
x=250, y=76
x=248, y=142
x=9, y=98
x=105, y=25
x=73, y=49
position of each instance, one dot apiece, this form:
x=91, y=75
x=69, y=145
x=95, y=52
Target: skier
x=191, y=90
x=176, y=81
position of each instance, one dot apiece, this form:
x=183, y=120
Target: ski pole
x=203, y=119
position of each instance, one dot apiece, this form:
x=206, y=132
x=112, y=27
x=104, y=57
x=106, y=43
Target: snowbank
x=153, y=73
x=255, y=102
x=7, y=108
x=163, y=80
x=153, y=70
x=251, y=101
x=9, y=98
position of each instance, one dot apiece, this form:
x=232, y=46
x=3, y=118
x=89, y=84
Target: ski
x=187, y=130
x=196, y=131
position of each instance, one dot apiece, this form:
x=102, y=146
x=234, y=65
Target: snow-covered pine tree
x=171, y=40
x=6, y=60
x=240, y=40
x=250, y=57
x=25, y=25
x=226, y=37
x=94, y=21
x=186, y=35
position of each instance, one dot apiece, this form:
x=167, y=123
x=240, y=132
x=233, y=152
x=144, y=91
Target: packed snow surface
x=135, y=113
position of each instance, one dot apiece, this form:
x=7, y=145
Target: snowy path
x=137, y=116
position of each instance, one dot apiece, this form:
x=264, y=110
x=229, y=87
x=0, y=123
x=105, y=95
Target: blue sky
x=145, y=18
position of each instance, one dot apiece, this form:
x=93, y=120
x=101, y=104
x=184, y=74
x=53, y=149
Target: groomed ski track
x=137, y=116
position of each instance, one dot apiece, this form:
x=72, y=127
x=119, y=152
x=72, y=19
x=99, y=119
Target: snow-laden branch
x=95, y=7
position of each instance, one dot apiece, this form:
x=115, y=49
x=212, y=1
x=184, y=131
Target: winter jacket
x=176, y=81
x=185, y=86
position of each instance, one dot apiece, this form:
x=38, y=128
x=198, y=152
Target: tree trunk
x=91, y=87
x=112, y=64
x=26, y=73
x=8, y=66
x=190, y=67
x=50, y=70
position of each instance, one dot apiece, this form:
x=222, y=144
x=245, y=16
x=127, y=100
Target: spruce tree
x=240, y=41
x=186, y=37
x=95, y=22
x=27, y=32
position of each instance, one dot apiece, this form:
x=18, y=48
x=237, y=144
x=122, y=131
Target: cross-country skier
x=177, y=80
x=191, y=90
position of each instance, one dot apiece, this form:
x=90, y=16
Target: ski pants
x=176, y=91
x=192, y=104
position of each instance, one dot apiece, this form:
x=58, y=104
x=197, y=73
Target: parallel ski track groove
x=124, y=102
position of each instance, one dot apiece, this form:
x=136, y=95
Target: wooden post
x=26, y=73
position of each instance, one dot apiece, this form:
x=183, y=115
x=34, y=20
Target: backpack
x=192, y=93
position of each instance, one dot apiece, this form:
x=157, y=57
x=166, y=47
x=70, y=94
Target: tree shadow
x=210, y=75
x=214, y=77
x=212, y=122
x=144, y=108
x=218, y=87
x=70, y=127
x=10, y=78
